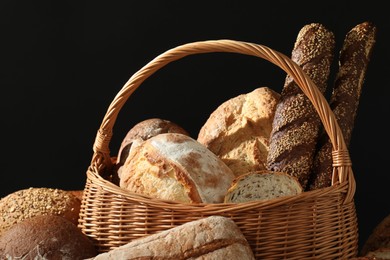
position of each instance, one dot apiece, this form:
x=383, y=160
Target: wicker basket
x=319, y=224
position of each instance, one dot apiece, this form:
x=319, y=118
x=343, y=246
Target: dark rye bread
x=46, y=237
x=344, y=101
x=296, y=124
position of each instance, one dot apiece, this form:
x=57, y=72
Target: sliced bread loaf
x=262, y=185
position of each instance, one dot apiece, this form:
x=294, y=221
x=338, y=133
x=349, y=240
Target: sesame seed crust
x=30, y=202
x=354, y=58
x=296, y=123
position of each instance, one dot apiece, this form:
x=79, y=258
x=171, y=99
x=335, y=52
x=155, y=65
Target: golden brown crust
x=238, y=130
x=296, y=123
x=213, y=237
x=353, y=62
x=144, y=130
x=176, y=167
x=31, y=202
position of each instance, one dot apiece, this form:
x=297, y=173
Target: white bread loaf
x=176, y=167
x=239, y=129
x=262, y=185
x=213, y=237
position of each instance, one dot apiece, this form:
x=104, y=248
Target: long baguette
x=354, y=57
x=213, y=237
x=296, y=123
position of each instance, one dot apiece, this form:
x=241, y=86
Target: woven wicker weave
x=319, y=224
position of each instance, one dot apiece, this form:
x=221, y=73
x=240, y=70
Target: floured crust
x=176, y=167
x=239, y=129
x=143, y=131
x=207, y=238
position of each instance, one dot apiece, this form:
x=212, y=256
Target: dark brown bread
x=45, y=237
x=379, y=238
x=296, y=124
x=353, y=62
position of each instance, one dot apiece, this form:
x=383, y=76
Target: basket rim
x=110, y=187
x=342, y=170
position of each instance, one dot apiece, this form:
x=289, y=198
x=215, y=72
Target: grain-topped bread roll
x=210, y=238
x=296, y=124
x=176, y=167
x=239, y=129
x=27, y=203
x=344, y=101
x=262, y=185
x=45, y=237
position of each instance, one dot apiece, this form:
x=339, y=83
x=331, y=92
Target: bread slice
x=262, y=185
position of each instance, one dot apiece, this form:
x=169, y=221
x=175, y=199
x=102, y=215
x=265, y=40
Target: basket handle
x=342, y=170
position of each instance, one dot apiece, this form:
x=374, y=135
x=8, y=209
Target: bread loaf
x=262, y=185
x=353, y=62
x=238, y=130
x=45, y=237
x=379, y=238
x=143, y=131
x=296, y=124
x=213, y=237
x=27, y=203
x=140, y=132
x=176, y=167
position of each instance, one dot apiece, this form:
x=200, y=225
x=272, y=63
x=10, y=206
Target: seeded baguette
x=296, y=124
x=353, y=62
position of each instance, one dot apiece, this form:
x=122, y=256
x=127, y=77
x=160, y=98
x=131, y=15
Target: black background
x=63, y=62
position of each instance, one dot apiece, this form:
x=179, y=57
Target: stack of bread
x=260, y=145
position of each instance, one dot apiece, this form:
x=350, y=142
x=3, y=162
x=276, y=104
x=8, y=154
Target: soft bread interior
x=262, y=185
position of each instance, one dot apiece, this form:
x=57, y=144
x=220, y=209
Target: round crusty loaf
x=143, y=131
x=238, y=130
x=27, y=203
x=262, y=185
x=46, y=237
x=176, y=167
